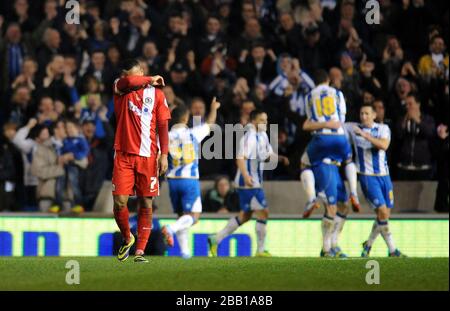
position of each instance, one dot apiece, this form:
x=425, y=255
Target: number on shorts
x=153, y=182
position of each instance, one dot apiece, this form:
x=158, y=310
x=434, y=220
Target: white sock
x=182, y=237
x=339, y=221
x=184, y=222
x=261, y=230
x=387, y=236
x=327, y=230
x=374, y=233
x=351, y=174
x=309, y=184
x=231, y=226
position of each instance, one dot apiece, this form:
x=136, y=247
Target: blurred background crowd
x=56, y=107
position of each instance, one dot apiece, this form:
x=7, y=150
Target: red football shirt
x=137, y=114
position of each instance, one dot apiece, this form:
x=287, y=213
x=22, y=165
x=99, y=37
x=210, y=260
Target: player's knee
x=342, y=208
x=244, y=217
x=383, y=213
x=331, y=210
x=263, y=215
x=145, y=202
x=195, y=217
x=120, y=201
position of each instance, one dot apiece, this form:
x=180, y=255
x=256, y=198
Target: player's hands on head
x=158, y=81
x=163, y=164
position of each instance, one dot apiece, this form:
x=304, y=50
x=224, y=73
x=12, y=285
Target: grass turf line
x=106, y=273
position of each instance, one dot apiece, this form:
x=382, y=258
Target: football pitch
x=165, y=274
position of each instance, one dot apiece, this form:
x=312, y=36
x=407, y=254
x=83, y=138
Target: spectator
x=27, y=76
x=8, y=172
x=259, y=67
x=435, y=64
x=222, y=198
x=213, y=37
x=51, y=42
x=171, y=98
x=415, y=132
x=47, y=166
x=21, y=108
x=93, y=112
x=13, y=50
x=151, y=56
x=393, y=57
x=314, y=53
x=100, y=71
x=76, y=148
x=22, y=16
x=91, y=179
x=47, y=114
x=286, y=65
x=288, y=33
x=26, y=142
x=57, y=83
x=441, y=204
x=380, y=110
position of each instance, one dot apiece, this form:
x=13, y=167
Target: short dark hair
x=178, y=113
x=130, y=63
x=320, y=76
x=363, y=105
x=415, y=96
x=255, y=113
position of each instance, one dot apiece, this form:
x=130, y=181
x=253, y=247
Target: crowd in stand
x=56, y=108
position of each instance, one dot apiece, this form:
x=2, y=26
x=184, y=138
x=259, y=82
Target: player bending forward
x=183, y=175
x=370, y=141
x=254, y=150
x=141, y=111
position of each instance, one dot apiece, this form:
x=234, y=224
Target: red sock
x=144, y=228
x=121, y=216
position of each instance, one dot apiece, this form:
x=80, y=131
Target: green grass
x=49, y=273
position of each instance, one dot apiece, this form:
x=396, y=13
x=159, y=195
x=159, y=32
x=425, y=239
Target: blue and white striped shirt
x=280, y=83
x=325, y=103
x=369, y=160
x=255, y=148
x=184, y=151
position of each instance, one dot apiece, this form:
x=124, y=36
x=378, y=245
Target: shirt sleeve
x=267, y=149
x=201, y=132
x=247, y=147
x=342, y=107
x=128, y=83
x=162, y=110
x=385, y=132
x=348, y=129
x=308, y=106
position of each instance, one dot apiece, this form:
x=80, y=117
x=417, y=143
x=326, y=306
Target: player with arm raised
x=370, y=141
x=328, y=148
x=183, y=175
x=142, y=113
x=254, y=151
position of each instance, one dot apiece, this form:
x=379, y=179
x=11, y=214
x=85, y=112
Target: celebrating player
x=183, y=174
x=141, y=111
x=254, y=150
x=326, y=109
x=370, y=141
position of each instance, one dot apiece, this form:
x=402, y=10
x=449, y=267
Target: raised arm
x=128, y=83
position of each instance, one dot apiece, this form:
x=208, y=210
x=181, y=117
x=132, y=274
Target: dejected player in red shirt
x=142, y=116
